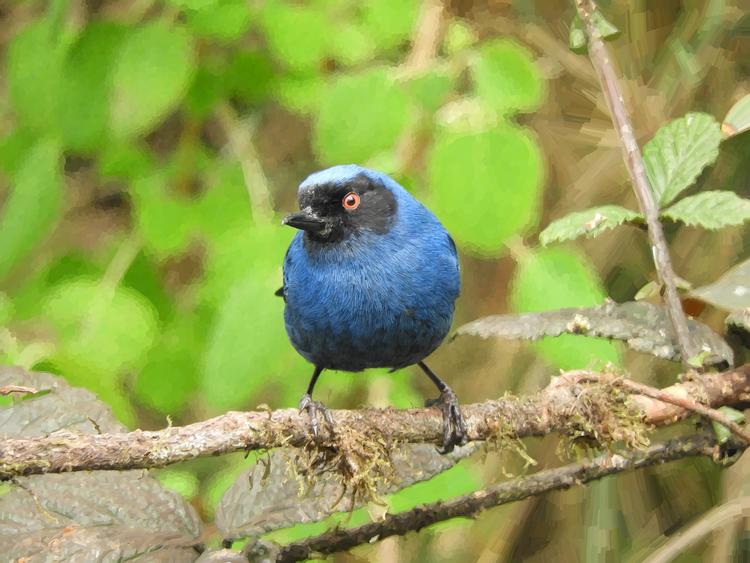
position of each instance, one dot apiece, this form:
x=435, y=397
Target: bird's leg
x=312, y=407
x=454, y=427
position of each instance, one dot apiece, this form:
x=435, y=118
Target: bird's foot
x=306, y=403
x=454, y=427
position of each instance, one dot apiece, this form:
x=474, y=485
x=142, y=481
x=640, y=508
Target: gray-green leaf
x=268, y=496
x=679, y=152
x=710, y=210
x=645, y=327
x=590, y=223
x=85, y=516
x=738, y=118
x=731, y=291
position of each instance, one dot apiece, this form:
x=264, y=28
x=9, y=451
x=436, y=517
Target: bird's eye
x=350, y=201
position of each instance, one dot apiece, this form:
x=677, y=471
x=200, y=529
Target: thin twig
x=8, y=389
x=557, y=408
x=602, y=62
x=510, y=491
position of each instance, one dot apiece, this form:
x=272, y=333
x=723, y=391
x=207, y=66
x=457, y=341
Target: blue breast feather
x=373, y=300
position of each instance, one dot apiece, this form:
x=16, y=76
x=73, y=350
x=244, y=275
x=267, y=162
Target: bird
x=370, y=280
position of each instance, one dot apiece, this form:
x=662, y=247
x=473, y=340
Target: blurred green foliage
x=150, y=149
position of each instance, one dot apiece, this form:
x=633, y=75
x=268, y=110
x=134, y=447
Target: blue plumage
x=373, y=300
x=370, y=280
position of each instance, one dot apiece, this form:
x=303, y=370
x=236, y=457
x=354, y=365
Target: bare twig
x=604, y=67
x=557, y=408
x=8, y=389
x=510, y=491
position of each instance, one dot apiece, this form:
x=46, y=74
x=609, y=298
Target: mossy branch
x=602, y=411
x=470, y=505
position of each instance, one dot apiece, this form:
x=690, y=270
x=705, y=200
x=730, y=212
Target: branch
x=602, y=63
x=468, y=506
x=560, y=407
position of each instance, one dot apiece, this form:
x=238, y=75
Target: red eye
x=350, y=201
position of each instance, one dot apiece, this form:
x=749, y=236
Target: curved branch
x=554, y=409
x=510, y=491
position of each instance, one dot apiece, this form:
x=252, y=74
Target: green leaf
x=604, y=27
x=34, y=65
x=225, y=20
x=506, y=77
x=296, y=35
x=555, y=278
x=710, y=210
x=430, y=89
x=722, y=432
x=250, y=76
x=170, y=372
x=351, y=44
x=349, y=127
x=100, y=330
x=33, y=204
x=86, y=86
x=577, y=40
x=390, y=22
x=679, y=152
x=590, y=223
x=300, y=94
x=165, y=222
x=738, y=118
x=486, y=185
x=151, y=75
x=237, y=364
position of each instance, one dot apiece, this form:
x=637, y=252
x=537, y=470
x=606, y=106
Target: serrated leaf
x=710, y=210
x=589, y=223
x=552, y=278
x=151, y=75
x=347, y=129
x=644, y=327
x=33, y=204
x=56, y=406
x=86, y=516
x=731, y=291
x=274, y=494
x=679, y=152
x=486, y=185
x=506, y=77
x=737, y=119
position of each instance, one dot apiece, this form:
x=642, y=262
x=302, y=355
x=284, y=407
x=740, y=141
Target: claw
x=454, y=426
x=306, y=403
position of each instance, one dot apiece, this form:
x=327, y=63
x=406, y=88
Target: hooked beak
x=306, y=220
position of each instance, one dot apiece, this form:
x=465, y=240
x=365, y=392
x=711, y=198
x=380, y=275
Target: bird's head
x=343, y=200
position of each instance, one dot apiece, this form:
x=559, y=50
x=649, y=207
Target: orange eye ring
x=350, y=201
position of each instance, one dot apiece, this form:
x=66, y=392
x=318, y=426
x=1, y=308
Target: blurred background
x=150, y=147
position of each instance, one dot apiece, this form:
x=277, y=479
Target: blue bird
x=370, y=281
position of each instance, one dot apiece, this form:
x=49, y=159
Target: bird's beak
x=306, y=220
